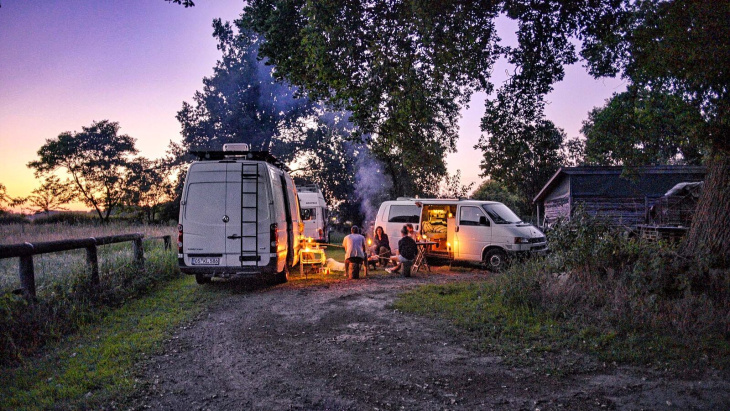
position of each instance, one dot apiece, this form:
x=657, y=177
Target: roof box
x=236, y=147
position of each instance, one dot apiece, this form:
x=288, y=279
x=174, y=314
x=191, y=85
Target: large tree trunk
x=709, y=235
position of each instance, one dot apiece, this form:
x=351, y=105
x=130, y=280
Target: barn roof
x=613, y=171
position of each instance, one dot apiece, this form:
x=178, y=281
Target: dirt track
x=339, y=346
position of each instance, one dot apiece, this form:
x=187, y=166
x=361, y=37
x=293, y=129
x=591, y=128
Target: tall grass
x=599, y=278
x=65, y=297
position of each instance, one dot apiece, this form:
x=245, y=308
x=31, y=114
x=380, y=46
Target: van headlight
x=522, y=240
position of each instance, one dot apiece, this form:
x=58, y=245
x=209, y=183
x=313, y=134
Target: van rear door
x=204, y=206
x=247, y=211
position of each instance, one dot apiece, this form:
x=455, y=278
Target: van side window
x=470, y=215
x=404, y=214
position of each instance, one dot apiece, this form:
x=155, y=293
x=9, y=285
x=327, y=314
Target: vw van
x=467, y=230
x=239, y=216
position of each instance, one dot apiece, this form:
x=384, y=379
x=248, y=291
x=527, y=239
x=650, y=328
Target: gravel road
x=339, y=346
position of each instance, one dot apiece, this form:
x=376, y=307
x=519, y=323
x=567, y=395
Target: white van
x=314, y=212
x=468, y=230
x=239, y=216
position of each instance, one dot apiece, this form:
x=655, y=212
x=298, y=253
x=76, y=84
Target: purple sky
x=66, y=63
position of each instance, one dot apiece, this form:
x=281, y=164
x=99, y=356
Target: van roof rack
x=308, y=188
x=211, y=155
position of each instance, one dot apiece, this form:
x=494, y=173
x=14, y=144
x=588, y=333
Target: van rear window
x=404, y=214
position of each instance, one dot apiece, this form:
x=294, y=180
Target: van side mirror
x=483, y=221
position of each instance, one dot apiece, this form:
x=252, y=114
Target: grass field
x=54, y=268
x=66, y=300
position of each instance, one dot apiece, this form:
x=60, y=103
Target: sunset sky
x=67, y=63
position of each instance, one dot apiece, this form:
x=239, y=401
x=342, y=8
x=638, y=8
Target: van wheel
x=202, y=279
x=495, y=260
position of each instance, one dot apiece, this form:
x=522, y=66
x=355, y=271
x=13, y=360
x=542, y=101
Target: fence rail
x=26, y=251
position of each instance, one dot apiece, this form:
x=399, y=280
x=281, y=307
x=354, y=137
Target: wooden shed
x=607, y=192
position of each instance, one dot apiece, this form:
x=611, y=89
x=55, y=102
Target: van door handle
x=234, y=236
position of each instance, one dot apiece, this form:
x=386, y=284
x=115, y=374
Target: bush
x=7, y=218
x=598, y=274
x=70, y=301
x=69, y=217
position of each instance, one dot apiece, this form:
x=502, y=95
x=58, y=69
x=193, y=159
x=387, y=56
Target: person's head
x=379, y=231
x=355, y=230
x=409, y=227
x=404, y=231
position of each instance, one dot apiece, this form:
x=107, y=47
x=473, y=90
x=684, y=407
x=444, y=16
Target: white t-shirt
x=354, y=245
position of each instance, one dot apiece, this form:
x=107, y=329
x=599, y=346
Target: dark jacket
x=383, y=242
x=407, y=248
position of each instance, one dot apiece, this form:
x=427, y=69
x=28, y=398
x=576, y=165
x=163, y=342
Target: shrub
x=68, y=301
x=598, y=274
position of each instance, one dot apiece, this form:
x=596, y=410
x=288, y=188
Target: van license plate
x=206, y=260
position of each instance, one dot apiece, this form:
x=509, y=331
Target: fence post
x=27, y=277
x=167, y=239
x=92, y=261
x=138, y=253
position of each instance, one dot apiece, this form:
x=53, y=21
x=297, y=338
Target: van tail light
x=321, y=233
x=274, y=237
x=179, y=238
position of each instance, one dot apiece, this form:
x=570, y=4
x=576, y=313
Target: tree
x=403, y=67
x=638, y=127
x=5, y=199
x=491, y=190
x=451, y=187
x=682, y=48
x=241, y=102
x=96, y=159
x=51, y=195
x=520, y=155
x=149, y=184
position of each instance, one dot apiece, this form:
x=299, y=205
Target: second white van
x=314, y=213
x=467, y=230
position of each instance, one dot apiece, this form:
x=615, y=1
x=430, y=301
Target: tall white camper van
x=469, y=230
x=239, y=216
x=314, y=212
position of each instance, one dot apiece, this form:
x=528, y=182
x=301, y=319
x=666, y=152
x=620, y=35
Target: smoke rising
x=372, y=185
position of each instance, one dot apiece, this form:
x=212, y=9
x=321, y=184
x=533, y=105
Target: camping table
x=312, y=255
x=423, y=247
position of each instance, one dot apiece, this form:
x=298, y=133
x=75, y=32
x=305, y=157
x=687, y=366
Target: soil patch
x=337, y=345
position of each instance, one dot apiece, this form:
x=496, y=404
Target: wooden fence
x=26, y=251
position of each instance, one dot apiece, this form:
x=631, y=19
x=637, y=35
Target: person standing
x=354, y=244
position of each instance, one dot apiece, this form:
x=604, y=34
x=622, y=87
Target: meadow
x=65, y=298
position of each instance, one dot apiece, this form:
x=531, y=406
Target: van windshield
x=501, y=214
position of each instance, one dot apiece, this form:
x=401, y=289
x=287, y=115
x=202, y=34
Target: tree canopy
x=404, y=67
x=95, y=158
x=638, y=127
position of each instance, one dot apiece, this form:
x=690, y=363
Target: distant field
x=50, y=268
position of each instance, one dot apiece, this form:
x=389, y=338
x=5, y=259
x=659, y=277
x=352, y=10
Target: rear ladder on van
x=249, y=213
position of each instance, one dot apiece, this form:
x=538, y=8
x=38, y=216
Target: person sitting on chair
x=407, y=251
x=354, y=252
x=381, y=246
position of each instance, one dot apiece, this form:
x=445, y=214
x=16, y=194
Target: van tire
x=495, y=259
x=202, y=279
